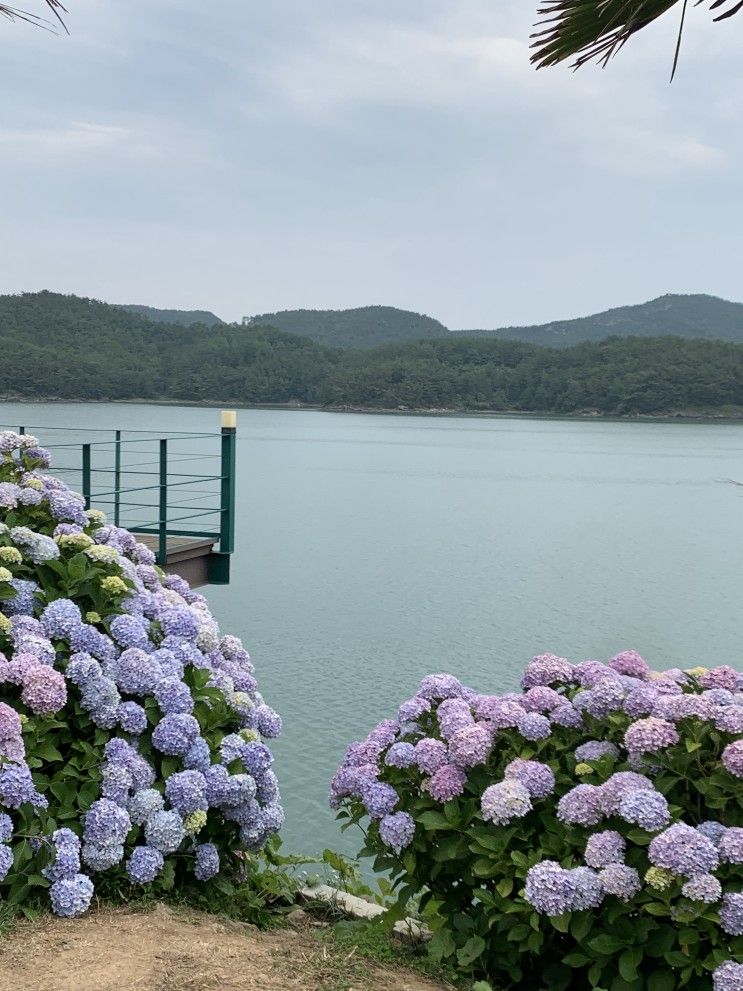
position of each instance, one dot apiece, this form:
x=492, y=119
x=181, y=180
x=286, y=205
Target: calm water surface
x=372, y=550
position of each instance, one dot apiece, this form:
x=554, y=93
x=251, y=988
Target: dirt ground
x=173, y=950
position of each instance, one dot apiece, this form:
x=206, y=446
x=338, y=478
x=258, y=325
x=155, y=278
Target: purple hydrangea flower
x=135, y=672
x=731, y=914
x=102, y=856
x=581, y=806
x=413, y=709
x=568, y=716
x=44, y=690
x=6, y=828
x=397, y=830
x=550, y=889
x=198, y=756
x=683, y=851
x=646, y=809
x=440, y=686
x=703, y=888
x=730, y=845
x=541, y=699
x=732, y=758
x=144, y=864
x=606, y=695
x=67, y=856
x=470, y=746
x=620, y=880
x=505, y=801
x=536, y=777
x=604, y=848
x=650, y=735
x=729, y=719
x=588, y=890
x=595, y=750
x=453, y=714
x=721, y=677
x=10, y=722
x=629, y=662
x=130, y=631
x=728, y=977
x=500, y=713
x=446, y=783
x=641, y=700
x=16, y=785
x=620, y=784
x=430, y=755
x=144, y=804
x=379, y=799
x=269, y=722
x=24, y=601
x=547, y=669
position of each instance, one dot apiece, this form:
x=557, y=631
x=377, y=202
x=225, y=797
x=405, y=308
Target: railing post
x=162, y=550
x=227, y=496
x=21, y=431
x=117, y=477
x=86, y=475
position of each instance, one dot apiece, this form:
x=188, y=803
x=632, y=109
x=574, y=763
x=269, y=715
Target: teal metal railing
x=162, y=484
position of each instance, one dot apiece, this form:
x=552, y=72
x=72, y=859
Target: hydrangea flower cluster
x=103, y=654
x=605, y=766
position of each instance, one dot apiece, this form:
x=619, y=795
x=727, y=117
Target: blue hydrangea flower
x=144, y=864
x=6, y=827
x=173, y=696
x=198, y=756
x=130, y=631
x=186, y=792
x=537, y=778
x=379, y=799
x=71, y=896
x=102, y=856
x=550, y=888
x=646, y=809
x=731, y=914
x=728, y=976
x=164, y=831
x=400, y=755
x=60, y=618
x=132, y=718
x=144, y=804
x=206, y=864
x=581, y=806
x=6, y=860
x=175, y=733
x=106, y=822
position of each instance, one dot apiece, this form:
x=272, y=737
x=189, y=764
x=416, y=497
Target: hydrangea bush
x=586, y=831
x=131, y=745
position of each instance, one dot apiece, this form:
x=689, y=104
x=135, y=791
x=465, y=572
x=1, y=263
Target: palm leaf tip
x=595, y=30
x=14, y=13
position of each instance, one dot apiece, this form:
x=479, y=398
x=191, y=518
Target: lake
x=372, y=550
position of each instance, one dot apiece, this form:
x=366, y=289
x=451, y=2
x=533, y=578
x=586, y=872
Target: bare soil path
x=181, y=950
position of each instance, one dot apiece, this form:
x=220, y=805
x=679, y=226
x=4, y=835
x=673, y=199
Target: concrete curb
x=359, y=909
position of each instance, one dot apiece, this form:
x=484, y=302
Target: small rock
x=296, y=917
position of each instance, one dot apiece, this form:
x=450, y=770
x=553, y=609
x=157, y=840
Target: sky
x=246, y=157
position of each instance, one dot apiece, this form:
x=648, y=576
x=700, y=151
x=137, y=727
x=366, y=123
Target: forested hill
x=703, y=317
x=65, y=347
x=184, y=317
x=365, y=327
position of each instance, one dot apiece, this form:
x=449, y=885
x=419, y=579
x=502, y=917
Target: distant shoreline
x=730, y=416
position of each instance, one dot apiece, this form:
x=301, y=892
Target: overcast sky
x=245, y=157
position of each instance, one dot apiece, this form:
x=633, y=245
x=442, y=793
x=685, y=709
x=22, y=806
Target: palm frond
x=14, y=14
x=588, y=30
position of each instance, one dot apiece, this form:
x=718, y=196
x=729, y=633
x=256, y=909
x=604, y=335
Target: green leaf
x=661, y=980
x=441, y=945
x=432, y=821
x=628, y=966
x=485, y=867
x=561, y=922
x=605, y=944
x=504, y=887
x=472, y=949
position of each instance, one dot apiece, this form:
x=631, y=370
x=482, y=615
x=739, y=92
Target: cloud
x=78, y=138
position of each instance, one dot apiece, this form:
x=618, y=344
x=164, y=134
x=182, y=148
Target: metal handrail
x=124, y=471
